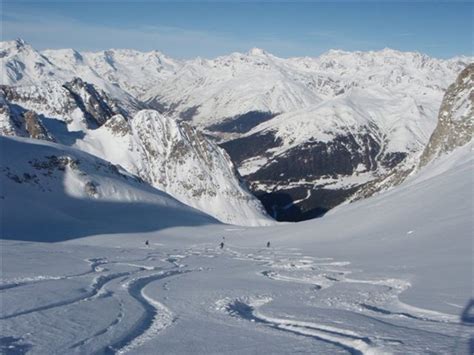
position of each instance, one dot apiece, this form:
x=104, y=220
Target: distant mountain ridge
x=171, y=156
x=305, y=133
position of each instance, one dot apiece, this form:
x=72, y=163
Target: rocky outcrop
x=456, y=118
x=180, y=160
x=241, y=123
x=296, y=184
x=17, y=121
x=96, y=106
x=454, y=129
x=34, y=127
x=77, y=103
x=172, y=156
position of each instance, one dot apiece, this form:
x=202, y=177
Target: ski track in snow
x=152, y=322
x=103, y=331
x=324, y=274
x=348, y=340
x=94, y=267
x=156, y=316
x=275, y=264
x=96, y=291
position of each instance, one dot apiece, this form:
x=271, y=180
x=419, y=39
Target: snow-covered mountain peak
x=16, y=45
x=68, y=55
x=22, y=64
x=379, y=106
x=178, y=159
x=257, y=52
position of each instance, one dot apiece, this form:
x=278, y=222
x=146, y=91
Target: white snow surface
x=22, y=65
x=136, y=72
x=258, y=81
x=397, y=121
x=179, y=160
x=394, y=96
x=390, y=274
x=170, y=156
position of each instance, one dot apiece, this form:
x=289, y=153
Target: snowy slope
x=22, y=65
x=456, y=118
x=76, y=103
x=135, y=72
x=397, y=122
x=55, y=192
x=258, y=81
x=231, y=85
x=306, y=133
x=396, y=282
x=170, y=156
x=453, y=130
x=178, y=159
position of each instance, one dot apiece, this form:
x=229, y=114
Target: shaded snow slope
x=52, y=192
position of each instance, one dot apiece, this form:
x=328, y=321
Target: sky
x=212, y=28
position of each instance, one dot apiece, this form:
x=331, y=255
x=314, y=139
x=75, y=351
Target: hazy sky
x=212, y=28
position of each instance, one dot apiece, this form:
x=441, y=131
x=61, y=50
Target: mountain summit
x=304, y=134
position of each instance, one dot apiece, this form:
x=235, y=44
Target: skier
x=268, y=244
x=147, y=243
x=222, y=245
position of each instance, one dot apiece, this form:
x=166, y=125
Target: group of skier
x=147, y=243
x=223, y=239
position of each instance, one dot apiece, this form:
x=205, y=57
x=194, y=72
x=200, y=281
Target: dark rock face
x=455, y=119
x=284, y=184
x=317, y=159
x=391, y=160
x=21, y=122
x=90, y=189
x=242, y=123
x=96, y=106
x=454, y=129
x=34, y=127
x=157, y=104
x=280, y=204
x=251, y=146
x=187, y=115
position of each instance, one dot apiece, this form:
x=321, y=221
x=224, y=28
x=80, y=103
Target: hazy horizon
x=210, y=29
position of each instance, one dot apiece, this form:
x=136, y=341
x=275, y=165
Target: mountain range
x=300, y=134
